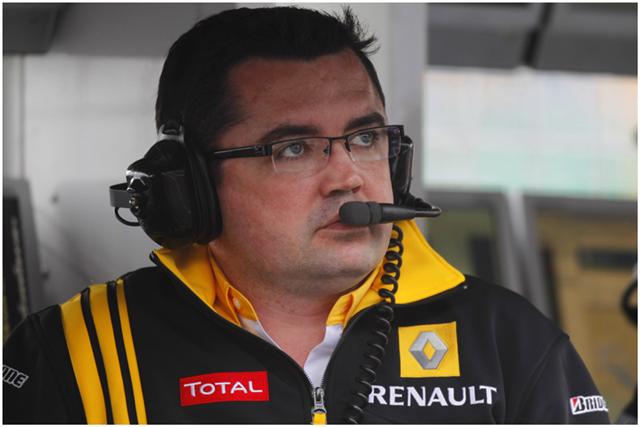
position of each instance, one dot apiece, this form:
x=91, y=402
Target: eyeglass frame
x=266, y=150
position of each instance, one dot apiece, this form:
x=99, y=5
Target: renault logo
x=420, y=345
x=429, y=350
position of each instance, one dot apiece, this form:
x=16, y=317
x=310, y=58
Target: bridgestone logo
x=585, y=404
x=13, y=376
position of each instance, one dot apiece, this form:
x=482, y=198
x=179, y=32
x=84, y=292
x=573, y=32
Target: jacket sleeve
x=562, y=391
x=38, y=381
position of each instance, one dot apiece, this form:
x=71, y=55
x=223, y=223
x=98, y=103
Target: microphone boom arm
x=369, y=213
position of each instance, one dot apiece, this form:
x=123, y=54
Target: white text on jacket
x=585, y=404
x=13, y=376
x=223, y=387
x=436, y=396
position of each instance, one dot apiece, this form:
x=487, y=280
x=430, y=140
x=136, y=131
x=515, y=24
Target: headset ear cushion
x=166, y=155
x=207, y=219
x=168, y=201
x=400, y=168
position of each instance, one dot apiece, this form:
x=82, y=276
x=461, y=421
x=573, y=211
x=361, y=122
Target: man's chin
x=351, y=274
x=353, y=258
x=352, y=250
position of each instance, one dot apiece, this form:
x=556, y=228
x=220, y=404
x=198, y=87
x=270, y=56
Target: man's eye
x=291, y=150
x=365, y=139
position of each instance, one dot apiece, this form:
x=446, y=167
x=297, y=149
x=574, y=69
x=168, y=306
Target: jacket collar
x=424, y=273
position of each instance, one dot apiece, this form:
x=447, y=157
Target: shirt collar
x=232, y=301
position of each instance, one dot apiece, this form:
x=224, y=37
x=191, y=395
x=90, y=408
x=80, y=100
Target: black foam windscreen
x=360, y=213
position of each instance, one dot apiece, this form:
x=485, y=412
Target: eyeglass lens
x=312, y=154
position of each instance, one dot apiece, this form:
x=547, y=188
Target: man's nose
x=341, y=173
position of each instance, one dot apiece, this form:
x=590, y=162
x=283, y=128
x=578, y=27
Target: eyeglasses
x=311, y=154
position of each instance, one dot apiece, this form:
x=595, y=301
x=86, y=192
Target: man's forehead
x=282, y=92
x=260, y=77
x=346, y=57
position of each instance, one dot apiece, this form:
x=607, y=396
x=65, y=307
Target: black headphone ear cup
x=207, y=218
x=159, y=181
x=400, y=168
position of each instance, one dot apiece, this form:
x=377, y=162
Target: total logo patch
x=585, y=404
x=224, y=387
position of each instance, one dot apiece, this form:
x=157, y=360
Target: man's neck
x=297, y=325
x=295, y=321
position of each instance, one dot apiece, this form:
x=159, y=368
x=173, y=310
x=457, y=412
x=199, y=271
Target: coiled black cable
x=376, y=347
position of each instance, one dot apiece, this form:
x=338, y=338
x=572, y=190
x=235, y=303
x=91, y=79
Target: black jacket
x=152, y=348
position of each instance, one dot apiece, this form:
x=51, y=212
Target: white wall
x=86, y=119
x=82, y=120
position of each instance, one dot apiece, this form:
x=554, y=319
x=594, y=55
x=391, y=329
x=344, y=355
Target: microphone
x=370, y=213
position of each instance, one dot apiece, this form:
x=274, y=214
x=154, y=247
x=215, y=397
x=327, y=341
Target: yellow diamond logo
x=419, y=346
x=429, y=351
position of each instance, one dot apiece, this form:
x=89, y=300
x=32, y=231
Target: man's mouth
x=334, y=223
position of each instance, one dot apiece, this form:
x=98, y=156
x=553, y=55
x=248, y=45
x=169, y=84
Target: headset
x=171, y=191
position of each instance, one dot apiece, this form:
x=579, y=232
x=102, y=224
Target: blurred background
x=524, y=115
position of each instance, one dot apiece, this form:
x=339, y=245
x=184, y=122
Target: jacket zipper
x=319, y=411
x=319, y=392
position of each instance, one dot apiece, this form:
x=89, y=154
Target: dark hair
x=193, y=89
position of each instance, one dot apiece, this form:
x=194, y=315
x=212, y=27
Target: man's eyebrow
x=372, y=119
x=285, y=130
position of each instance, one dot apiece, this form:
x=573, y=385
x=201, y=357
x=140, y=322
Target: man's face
x=284, y=227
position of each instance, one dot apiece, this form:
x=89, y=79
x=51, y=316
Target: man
x=284, y=313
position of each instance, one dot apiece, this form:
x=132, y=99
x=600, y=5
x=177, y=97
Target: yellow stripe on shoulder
x=83, y=361
x=104, y=329
x=131, y=353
